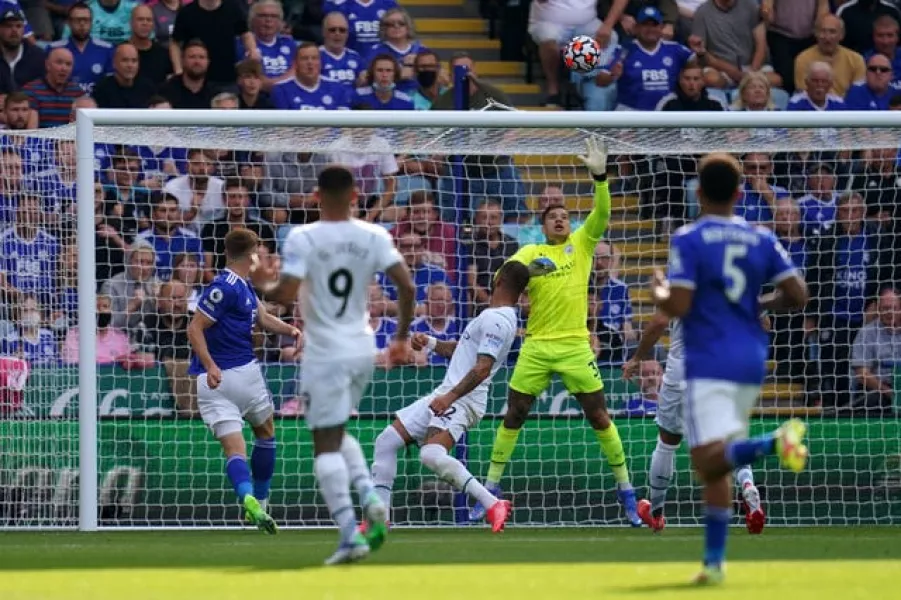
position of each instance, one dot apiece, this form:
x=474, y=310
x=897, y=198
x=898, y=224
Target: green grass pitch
x=565, y=564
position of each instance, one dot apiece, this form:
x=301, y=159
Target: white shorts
x=241, y=395
x=669, y=407
x=332, y=389
x=543, y=31
x=462, y=416
x=716, y=410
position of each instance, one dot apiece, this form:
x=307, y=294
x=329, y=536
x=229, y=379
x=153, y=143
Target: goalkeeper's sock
x=357, y=469
x=384, y=463
x=239, y=474
x=745, y=452
x=660, y=475
x=334, y=485
x=504, y=445
x=262, y=465
x=451, y=470
x=716, y=522
x=612, y=447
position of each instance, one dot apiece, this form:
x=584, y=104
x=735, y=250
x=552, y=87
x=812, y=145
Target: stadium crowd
x=161, y=213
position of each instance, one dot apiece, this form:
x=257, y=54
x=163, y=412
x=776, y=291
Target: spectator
x=225, y=101
x=735, y=41
x=532, y=231
x=817, y=207
x=52, y=95
x=164, y=12
x=424, y=274
x=427, y=68
x=199, y=193
x=186, y=269
x=875, y=92
x=237, y=201
x=816, y=94
x=126, y=198
x=250, y=86
x=397, y=36
x=20, y=62
x=374, y=169
x=754, y=93
x=552, y=24
x=155, y=64
x=490, y=249
x=215, y=23
x=843, y=274
x=876, y=351
x=111, y=20
x=481, y=94
x=439, y=239
x=276, y=50
x=788, y=332
x=192, y=88
x=438, y=321
x=112, y=344
x=644, y=403
x=290, y=180
x=880, y=186
x=885, y=41
x=308, y=90
x=647, y=68
x=31, y=342
x=167, y=237
x=126, y=87
x=687, y=10
x=758, y=196
x=364, y=20
x=611, y=307
x=131, y=292
x=28, y=256
x=382, y=93
x=382, y=325
x=790, y=31
x=847, y=65
x=109, y=254
x=859, y=17
x=10, y=184
x=668, y=9
x=690, y=94
x=788, y=226
x=92, y=58
x=340, y=64
x=56, y=186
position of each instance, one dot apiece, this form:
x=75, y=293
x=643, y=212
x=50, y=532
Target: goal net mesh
x=458, y=202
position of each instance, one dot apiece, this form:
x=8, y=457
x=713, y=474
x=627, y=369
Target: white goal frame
x=587, y=122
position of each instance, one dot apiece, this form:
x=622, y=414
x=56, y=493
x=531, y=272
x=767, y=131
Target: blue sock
x=239, y=474
x=745, y=452
x=717, y=527
x=262, y=463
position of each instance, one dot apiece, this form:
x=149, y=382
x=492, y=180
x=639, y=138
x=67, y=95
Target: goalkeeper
x=557, y=338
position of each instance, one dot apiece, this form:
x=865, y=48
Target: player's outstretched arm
x=650, y=335
x=595, y=161
x=199, y=323
x=479, y=373
x=269, y=322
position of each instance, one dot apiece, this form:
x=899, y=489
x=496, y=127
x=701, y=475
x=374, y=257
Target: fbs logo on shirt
x=541, y=266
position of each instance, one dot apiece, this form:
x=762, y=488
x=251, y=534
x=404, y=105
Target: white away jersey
x=336, y=261
x=491, y=333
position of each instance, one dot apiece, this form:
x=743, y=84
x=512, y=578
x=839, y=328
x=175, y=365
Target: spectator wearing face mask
x=32, y=343
x=112, y=343
x=428, y=79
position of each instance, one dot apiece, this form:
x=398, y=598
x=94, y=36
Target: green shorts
x=572, y=359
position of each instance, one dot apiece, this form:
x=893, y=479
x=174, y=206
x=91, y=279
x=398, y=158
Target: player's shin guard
x=660, y=475
x=384, y=464
x=239, y=474
x=451, y=470
x=262, y=465
x=504, y=445
x=334, y=485
x=357, y=468
x=612, y=447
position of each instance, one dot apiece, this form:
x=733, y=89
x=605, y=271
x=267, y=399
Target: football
x=582, y=54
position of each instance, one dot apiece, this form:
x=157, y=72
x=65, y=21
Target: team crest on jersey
x=568, y=249
x=326, y=99
x=352, y=64
x=215, y=295
x=667, y=61
x=97, y=68
x=285, y=50
x=380, y=14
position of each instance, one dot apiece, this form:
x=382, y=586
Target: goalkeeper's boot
x=375, y=529
x=644, y=512
x=630, y=504
x=349, y=552
x=790, y=445
x=755, y=518
x=477, y=512
x=498, y=514
x=710, y=575
x=258, y=517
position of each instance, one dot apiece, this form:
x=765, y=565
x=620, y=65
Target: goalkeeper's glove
x=596, y=158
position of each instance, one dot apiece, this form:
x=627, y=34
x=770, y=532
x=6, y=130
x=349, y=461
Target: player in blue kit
x=230, y=384
x=364, y=19
x=717, y=267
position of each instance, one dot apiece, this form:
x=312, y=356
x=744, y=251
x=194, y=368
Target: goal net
x=460, y=193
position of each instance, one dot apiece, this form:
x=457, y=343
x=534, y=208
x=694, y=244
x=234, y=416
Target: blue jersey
x=278, y=56
x=39, y=353
x=754, y=208
x=399, y=54
x=57, y=195
x=861, y=97
x=452, y=330
x=616, y=305
x=726, y=262
x=797, y=250
x=364, y=19
x=648, y=75
x=852, y=261
x=816, y=213
x=326, y=95
x=384, y=333
x=801, y=101
x=341, y=69
x=366, y=96
x=182, y=241
x=231, y=304
x=896, y=68
x=91, y=64
x=36, y=153
x=30, y=265
x=154, y=158
x=423, y=276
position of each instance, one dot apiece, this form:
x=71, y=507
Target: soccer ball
x=582, y=54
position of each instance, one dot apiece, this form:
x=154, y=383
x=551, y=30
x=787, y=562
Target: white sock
x=384, y=466
x=357, y=469
x=451, y=470
x=661, y=473
x=744, y=476
x=334, y=485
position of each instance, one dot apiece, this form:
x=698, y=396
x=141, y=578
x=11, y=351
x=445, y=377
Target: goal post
x=144, y=461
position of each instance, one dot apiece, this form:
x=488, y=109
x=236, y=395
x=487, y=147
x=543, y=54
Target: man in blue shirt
x=276, y=49
x=364, y=19
x=611, y=309
x=28, y=257
x=816, y=95
x=308, y=90
x=340, y=64
x=758, y=195
x=885, y=41
x=438, y=321
x=167, y=237
x=717, y=269
x=818, y=205
x=93, y=58
x=876, y=92
x=230, y=384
